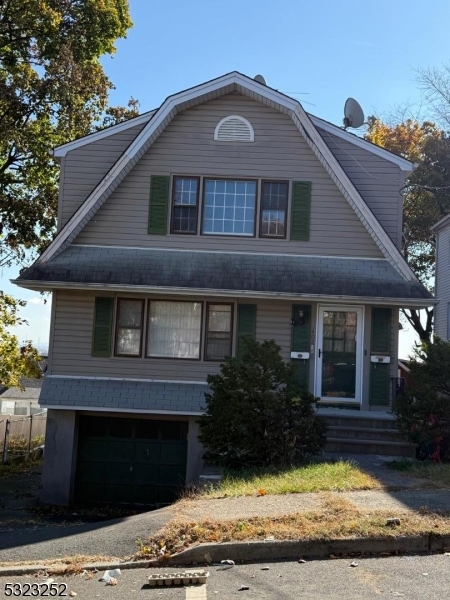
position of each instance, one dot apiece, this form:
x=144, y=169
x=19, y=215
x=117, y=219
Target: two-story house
x=442, y=278
x=227, y=212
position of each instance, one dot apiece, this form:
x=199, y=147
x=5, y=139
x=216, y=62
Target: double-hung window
x=219, y=327
x=129, y=327
x=185, y=204
x=229, y=207
x=274, y=200
x=174, y=329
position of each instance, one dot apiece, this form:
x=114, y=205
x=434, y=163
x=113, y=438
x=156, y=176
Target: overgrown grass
x=17, y=467
x=437, y=474
x=338, y=520
x=339, y=476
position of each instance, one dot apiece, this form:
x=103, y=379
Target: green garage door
x=130, y=461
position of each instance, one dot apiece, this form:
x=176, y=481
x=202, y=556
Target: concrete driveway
x=26, y=536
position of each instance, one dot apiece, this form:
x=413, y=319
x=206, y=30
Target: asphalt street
x=408, y=577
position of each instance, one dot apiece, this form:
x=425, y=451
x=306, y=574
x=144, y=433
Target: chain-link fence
x=20, y=435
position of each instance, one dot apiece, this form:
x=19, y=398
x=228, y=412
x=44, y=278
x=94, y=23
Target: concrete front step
x=360, y=422
x=369, y=446
x=364, y=433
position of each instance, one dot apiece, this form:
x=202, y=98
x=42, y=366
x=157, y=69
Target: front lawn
x=438, y=474
x=339, y=476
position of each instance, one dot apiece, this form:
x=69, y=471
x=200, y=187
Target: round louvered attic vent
x=234, y=129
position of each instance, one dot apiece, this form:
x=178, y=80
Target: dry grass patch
x=436, y=474
x=338, y=520
x=339, y=476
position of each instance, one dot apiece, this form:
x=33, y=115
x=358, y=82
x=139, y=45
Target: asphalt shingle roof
x=311, y=275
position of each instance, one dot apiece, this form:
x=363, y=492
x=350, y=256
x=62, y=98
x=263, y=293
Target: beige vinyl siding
x=377, y=180
x=442, y=283
x=85, y=167
x=187, y=147
x=72, y=336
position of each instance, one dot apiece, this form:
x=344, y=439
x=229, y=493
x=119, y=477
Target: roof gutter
x=178, y=291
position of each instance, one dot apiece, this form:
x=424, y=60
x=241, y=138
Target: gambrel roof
x=226, y=84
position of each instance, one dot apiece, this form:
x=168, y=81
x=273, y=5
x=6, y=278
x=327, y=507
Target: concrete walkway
x=402, y=493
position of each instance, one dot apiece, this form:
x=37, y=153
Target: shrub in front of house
x=423, y=411
x=257, y=414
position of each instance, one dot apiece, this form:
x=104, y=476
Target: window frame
x=286, y=211
x=197, y=205
x=257, y=197
x=205, y=354
x=117, y=327
x=147, y=330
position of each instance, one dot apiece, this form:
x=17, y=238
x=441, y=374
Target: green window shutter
x=381, y=330
x=246, y=326
x=159, y=202
x=301, y=210
x=301, y=340
x=103, y=318
x=380, y=374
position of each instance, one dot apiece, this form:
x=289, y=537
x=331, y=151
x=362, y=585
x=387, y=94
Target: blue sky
x=320, y=52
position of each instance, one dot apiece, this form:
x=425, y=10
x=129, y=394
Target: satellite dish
x=260, y=79
x=353, y=114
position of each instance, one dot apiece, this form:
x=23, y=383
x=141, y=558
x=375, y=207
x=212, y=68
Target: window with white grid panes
x=185, y=205
x=274, y=200
x=229, y=207
x=174, y=329
x=129, y=327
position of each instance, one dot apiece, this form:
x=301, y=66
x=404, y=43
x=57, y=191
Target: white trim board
x=441, y=224
x=111, y=409
x=93, y=378
x=205, y=292
x=259, y=92
x=403, y=163
x=61, y=151
x=240, y=252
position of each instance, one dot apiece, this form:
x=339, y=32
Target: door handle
x=320, y=352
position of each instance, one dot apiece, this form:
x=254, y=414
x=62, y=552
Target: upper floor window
x=229, y=207
x=185, y=204
x=234, y=129
x=274, y=200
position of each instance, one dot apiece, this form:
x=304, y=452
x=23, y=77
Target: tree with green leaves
x=16, y=361
x=52, y=89
x=256, y=412
x=426, y=197
x=423, y=412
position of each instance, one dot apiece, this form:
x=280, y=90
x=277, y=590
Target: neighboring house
x=442, y=278
x=17, y=401
x=228, y=212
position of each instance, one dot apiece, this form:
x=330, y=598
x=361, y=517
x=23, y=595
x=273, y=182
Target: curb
x=31, y=569
x=276, y=550
x=265, y=551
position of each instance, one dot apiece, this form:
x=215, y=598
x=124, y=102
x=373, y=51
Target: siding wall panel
x=85, y=167
x=187, y=147
x=442, y=283
x=376, y=179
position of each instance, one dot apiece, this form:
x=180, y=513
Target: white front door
x=339, y=353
